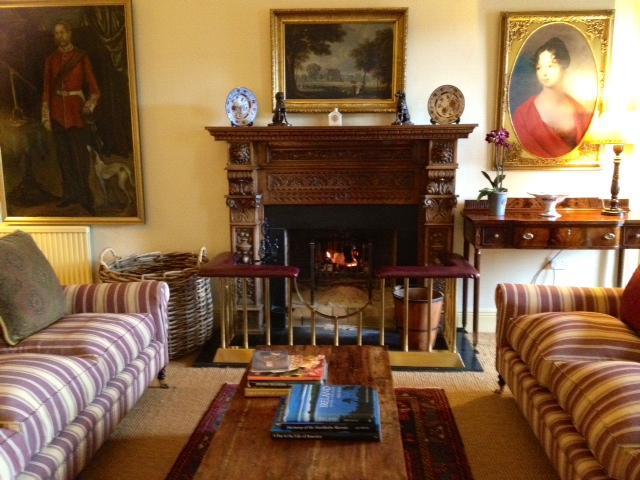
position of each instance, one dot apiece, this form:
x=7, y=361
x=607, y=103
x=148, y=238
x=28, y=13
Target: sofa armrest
x=150, y=296
x=513, y=300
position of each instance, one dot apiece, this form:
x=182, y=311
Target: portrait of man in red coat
x=68, y=114
x=70, y=94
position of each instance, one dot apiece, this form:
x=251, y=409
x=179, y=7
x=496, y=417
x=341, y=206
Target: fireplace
x=394, y=179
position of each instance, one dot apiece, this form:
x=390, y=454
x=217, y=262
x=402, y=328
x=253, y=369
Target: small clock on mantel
x=241, y=107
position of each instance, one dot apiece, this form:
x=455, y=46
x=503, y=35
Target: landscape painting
x=349, y=59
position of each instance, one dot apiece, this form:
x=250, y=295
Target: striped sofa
x=64, y=389
x=573, y=367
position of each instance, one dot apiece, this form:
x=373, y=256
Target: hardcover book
x=302, y=368
x=331, y=403
x=374, y=426
x=279, y=431
x=270, y=361
x=266, y=391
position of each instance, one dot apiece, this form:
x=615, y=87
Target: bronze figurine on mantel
x=280, y=113
x=402, y=111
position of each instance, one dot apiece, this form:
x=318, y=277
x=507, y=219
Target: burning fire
x=339, y=259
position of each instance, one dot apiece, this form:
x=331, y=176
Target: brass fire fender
x=229, y=271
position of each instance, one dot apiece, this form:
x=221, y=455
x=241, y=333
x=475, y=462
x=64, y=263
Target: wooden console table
x=581, y=226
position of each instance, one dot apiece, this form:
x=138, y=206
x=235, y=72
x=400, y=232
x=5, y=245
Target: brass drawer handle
x=527, y=236
x=637, y=235
x=496, y=235
x=610, y=236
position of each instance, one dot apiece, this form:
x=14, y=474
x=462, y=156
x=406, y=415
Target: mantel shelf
x=343, y=133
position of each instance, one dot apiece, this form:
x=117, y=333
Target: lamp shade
x=618, y=128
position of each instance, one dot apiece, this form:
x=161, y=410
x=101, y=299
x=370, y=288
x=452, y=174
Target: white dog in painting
x=105, y=171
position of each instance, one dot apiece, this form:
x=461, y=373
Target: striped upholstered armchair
x=571, y=358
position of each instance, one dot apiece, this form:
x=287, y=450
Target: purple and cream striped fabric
x=544, y=338
x=112, y=340
x=64, y=389
x=41, y=394
x=603, y=399
x=564, y=445
x=13, y=449
x=122, y=297
x=66, y=456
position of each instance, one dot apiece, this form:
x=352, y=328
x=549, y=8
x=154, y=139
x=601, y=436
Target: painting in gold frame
x=69, y=138
x=351, y=59
x=553, y=72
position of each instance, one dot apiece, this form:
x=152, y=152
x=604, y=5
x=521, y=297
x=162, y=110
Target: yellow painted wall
x=191, y=53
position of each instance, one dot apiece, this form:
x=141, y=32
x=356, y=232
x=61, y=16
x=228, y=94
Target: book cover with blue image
x=280, y=431
x=331, y=403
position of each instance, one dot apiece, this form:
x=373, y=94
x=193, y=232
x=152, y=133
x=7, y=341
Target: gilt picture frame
x=69, y=135
x=553, y=72
x=351, y=59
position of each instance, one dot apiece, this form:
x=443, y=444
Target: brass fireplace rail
x=231, y=273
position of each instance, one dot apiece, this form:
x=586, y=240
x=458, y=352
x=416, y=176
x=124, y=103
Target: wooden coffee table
x=243, y=448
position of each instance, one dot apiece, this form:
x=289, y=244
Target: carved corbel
x=244, y=209
x=439, y=210
x=241, y=182
x=441, y=182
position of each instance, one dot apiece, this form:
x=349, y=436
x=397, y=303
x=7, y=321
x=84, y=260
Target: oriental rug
x=433, y=447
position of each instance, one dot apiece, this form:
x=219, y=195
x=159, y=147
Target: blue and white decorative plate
x=242, y=107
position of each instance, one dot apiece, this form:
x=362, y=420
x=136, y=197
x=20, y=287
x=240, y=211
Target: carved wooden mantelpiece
x=403, y=165
x=368, y=165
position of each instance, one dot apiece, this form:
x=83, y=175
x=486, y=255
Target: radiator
x=68, y=249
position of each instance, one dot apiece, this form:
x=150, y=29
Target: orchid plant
x=499, y=139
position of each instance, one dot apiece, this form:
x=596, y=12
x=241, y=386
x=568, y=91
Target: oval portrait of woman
x=553, y=91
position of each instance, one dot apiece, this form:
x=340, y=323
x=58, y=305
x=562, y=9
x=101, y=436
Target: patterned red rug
x=433, y=448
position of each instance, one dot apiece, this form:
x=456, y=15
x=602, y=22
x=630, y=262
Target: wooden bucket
x=418, y=316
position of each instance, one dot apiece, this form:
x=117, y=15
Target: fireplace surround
x=401, y=178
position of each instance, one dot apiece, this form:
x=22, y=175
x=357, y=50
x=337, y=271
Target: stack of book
x=333, y=412
x=273, y=372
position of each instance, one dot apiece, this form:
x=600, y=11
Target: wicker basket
x=190, y=303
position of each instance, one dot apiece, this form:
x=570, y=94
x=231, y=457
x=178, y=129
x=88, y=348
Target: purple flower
x=499, y=137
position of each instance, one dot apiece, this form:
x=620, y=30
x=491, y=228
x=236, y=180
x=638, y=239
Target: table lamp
x=612, y=129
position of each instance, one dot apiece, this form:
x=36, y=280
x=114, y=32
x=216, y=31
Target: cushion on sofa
x=543, y=338
x=113, y=339
x=630, y=304
x=603, y=399
x=41, y=394
x=13, y=453
x=31, y=297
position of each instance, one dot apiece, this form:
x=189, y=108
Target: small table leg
x=476, y=295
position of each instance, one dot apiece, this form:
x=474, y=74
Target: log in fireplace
x=399, y=179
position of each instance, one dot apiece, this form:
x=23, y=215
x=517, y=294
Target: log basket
x=190, y=303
